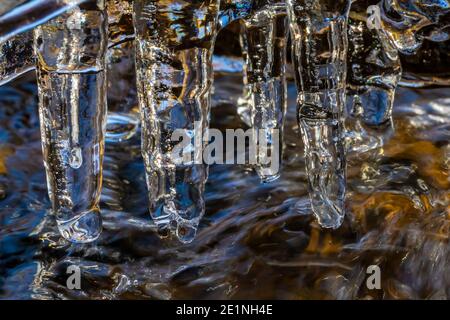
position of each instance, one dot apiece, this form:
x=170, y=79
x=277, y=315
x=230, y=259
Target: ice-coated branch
x=319, y=44
x=19, y=16
x=70, y=53
x=174, y=43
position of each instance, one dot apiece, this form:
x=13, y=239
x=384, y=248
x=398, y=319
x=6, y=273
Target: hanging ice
x=374, y=67
x=232, y=10
x=373, y=72
x=319, y=42
x=174, y=42
x=17, y=57
x=264, y=36
x=174, y=74
x=72, y=107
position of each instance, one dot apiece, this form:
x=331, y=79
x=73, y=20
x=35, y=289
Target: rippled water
x=256, y=240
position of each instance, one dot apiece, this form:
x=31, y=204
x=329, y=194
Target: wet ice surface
x=255, y=240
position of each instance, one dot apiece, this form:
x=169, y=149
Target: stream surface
x=256, y=241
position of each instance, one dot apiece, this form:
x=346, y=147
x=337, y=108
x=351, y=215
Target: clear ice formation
x=374, y=68
x=391, y=27
x=120, y=21
x=78, y=41
x=174, y=43
x=319, y=40
x=17, y=57
x=263, y=42
x=373, y=72
x=70, y=53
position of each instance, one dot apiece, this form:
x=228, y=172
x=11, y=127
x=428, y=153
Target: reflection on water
x=256, y=240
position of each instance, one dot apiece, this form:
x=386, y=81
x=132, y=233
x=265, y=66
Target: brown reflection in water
x=255, y=241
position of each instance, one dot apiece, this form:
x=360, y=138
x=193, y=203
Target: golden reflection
x=429, y=158
x=5, y=152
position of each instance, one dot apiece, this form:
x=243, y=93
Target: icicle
x=70, y=52
x=319, y=53
x=263, y=41
x=373, y=72
x=174, y=75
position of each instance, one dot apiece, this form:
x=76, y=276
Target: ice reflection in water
x=398, y=218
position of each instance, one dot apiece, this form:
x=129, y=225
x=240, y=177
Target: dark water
x=255, y=241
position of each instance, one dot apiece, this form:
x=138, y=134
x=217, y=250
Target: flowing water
x=255, y=240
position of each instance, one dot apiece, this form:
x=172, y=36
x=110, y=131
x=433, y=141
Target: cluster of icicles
x=345, y=58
